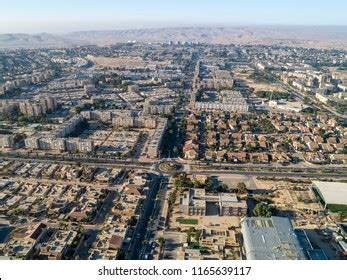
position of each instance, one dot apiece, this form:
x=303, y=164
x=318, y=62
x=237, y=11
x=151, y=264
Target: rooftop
x=332, y=192
x=270, y=239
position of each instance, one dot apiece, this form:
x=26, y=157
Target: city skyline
x=37, y=16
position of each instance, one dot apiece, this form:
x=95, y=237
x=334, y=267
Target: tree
x=161, y=242
x=209, y=184
x=17, y=212
x=197, y=236
x=242, y=188
x=171, y=198
x=81, y=229
x=222, y=188
x=197, y=184
x=182, y=182
x=263, y=210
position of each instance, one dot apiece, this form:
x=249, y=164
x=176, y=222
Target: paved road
x=142, y=224
x=147, y=248
x=271, y=174
x=327, y=171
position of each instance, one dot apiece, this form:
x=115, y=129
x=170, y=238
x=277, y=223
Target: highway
x=271, y=174
x=328, y=171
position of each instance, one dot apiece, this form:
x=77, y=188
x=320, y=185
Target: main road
x=328, y=171
x=142, y=223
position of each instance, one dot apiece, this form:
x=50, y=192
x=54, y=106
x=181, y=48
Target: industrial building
x=333, y=195
x=271, y=239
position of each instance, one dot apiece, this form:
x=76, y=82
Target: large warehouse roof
x=332, y=192
x=270, y=239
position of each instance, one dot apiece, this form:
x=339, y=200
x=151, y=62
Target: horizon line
x=280, y=25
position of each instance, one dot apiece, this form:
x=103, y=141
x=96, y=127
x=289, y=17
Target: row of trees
x=182, y=182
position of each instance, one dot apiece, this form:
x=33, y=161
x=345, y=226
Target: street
x=142, y=224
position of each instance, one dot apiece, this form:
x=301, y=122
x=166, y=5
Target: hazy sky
x=59, y=16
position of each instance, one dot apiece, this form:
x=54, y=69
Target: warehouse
x=271, y=239
x=333, y=195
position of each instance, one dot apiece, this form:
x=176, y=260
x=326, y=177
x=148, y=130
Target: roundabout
x=170, y=167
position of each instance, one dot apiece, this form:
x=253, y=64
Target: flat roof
x=227, y=197
x=331, y=192
x=271, y=239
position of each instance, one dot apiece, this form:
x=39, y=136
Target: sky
x=35, y=16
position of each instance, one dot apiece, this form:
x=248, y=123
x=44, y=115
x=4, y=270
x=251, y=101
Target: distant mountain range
x=32, y=40
x=300, y=36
